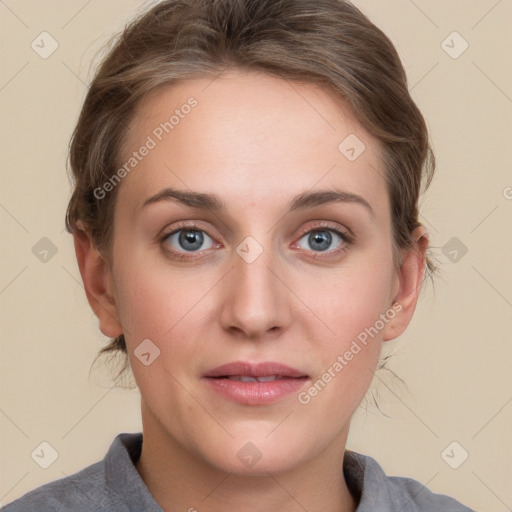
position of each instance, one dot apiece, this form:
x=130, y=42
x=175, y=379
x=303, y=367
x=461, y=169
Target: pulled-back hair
x=329, y=43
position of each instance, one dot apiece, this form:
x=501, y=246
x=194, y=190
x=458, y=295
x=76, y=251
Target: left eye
x=189, y=240
x=321, y=239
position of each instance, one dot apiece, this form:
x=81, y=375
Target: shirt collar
x=122, y=476
x=367, y=482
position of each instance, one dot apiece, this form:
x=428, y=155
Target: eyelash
x=347, y=238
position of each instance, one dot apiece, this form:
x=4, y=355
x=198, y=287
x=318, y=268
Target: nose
x=255, y=300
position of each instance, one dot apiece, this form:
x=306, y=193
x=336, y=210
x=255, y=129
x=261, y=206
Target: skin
x=256, y=142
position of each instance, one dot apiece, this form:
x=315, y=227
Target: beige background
x=455, y=357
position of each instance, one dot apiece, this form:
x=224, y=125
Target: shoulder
x=110, y=485
x=378, y=491
x=414, y=495
x=83, y=490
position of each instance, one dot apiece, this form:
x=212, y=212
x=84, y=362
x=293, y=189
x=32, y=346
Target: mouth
x=262, y=370
x=250, y=378
x=255, y=383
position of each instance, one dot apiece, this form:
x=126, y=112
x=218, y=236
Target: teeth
x=266, y=379
x=242, y=378
x=245, y=378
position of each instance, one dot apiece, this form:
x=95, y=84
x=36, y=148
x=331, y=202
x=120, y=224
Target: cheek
x=169, y=307
x=152, y=299
x=163, y=308
x=349, y=299
x=352, y=308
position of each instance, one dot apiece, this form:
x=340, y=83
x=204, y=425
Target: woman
x=246, y=226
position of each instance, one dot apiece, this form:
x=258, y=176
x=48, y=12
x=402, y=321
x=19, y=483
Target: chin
x=256, y=455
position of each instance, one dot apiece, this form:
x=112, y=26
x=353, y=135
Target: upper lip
x=263, y=369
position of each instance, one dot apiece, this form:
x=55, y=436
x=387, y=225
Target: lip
x=264, y=369
x=288, y=380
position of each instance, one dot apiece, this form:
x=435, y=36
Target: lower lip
x=256, y=393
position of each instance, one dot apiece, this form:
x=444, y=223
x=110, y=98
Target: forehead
x=251, y=136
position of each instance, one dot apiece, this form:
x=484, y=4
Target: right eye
x=188, y=239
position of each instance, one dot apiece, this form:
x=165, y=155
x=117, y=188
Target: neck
x=180, y=480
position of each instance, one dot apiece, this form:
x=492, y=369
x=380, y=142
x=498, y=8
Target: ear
x=98, y=283
x=410, y=278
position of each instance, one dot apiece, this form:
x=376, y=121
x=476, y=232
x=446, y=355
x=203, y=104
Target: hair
x=329, y=43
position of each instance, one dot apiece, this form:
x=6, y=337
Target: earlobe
x=410, y=278
x=98, y=285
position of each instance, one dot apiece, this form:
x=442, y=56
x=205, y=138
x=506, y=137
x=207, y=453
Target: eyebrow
x=300, y=202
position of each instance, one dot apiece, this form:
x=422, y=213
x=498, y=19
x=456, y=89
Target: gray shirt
x=114, y=485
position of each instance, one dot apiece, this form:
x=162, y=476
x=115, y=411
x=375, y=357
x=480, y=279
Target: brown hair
x=329, y=43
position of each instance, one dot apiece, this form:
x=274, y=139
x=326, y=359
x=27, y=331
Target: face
x=272, y=268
